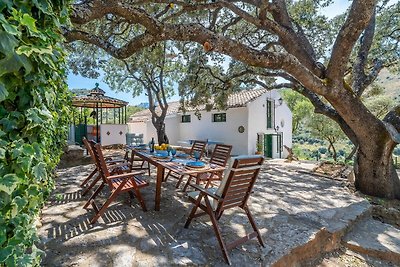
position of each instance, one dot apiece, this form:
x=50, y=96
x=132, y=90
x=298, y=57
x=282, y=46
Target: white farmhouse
x=252, y=116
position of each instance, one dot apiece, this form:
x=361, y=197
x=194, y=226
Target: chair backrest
x=100, y=162
x=198, y=146
x=238, y=181
x=221, y=154
x=89, y=148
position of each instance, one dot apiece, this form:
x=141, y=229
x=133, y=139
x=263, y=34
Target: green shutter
x=268, y=145
x=269, y=114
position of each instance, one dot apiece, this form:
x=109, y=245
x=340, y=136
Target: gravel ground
x=289, y=205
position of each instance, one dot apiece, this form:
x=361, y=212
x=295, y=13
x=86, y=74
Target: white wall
x=116, y=134
x=252, y=117
x=258, y=122
x=172, y=124
x=138, y=128
x=148, y=130
x=225, y=132
x=283, y=119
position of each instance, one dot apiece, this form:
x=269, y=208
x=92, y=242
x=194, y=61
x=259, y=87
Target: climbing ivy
x=34, y=103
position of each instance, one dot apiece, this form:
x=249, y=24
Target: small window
x=185, y=118
x=219, y=117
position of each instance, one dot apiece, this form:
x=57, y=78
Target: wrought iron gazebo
x=101, y=105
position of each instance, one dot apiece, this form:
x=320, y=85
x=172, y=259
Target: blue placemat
x=195, y=164
x=161, y=155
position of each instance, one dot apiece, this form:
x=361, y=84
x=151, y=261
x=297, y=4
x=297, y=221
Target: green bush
x=396, y=151
x=34, y=103
x=322, y=150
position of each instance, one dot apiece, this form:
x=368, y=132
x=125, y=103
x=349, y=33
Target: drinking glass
x=173, y=152
x=196, y=155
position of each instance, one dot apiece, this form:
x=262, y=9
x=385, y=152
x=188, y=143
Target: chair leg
x=140, y=199
x=148, y=166
x=187, y=183
x=253, y=224
x=166, y=177
x=103, y=208
x=91, y=185
x=94, y=195
x=217, y=230
x=194, y=209
x=126, y=156
x=88, y=178
x=180, y=181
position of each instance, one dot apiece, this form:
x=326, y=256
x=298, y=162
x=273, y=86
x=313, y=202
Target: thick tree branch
x=392, y=123
x=359, y=76
x=322, y=108
x=358, y=18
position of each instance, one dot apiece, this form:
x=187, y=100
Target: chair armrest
x=203, y=190
x=124, y=175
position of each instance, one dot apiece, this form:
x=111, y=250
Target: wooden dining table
x=177, y=165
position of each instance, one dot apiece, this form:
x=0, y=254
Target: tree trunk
x=334, y=154
x=375, y=172
x=161, y=134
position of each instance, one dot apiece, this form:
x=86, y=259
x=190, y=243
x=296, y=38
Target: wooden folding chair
x=119, y=183
x=120, y=163
x=136, y=164
x=234, y=191
x=198, y=146
x=219, y=157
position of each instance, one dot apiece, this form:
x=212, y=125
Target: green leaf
x=28, y=50
x=8, y=183
x=25, y=163
x=20, y=202
x=8, y=43
x=25, y=260
x=2, y=153
x=3, y=234
x=3, y=92
x=6, y=3
x=11, y=29
x=29, y=22
x=13, y=63
x=40, y=171
x=44, y=6
x=5, y=253
x=28, y=150
x=8, y=124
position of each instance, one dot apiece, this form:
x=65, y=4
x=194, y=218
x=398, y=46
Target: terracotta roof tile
x=235, y=100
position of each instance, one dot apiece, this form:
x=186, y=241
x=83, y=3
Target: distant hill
x=79, y=92
x=389, y=81
x=143, y=105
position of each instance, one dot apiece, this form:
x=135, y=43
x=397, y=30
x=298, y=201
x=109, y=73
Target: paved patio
x=298, y=214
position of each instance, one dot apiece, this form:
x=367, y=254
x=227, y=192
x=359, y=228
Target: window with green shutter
x=219, y=117
x=185, y=119
x=270, y=113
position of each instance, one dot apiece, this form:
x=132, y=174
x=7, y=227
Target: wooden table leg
x=160, y=176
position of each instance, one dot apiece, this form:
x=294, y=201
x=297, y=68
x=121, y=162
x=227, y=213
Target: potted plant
x=259, y=149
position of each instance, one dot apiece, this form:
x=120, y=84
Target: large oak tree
x=331, y=62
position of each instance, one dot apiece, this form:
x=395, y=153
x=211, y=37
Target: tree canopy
x=330, y=61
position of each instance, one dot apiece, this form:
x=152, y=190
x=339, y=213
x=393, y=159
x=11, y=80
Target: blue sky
x=338, y=7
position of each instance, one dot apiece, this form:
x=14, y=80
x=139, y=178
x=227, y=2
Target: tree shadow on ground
x=288, y=207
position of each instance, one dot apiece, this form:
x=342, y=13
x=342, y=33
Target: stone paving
x=299, y=215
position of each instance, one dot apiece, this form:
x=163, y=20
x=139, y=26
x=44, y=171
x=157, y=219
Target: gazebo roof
x=97, y=99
